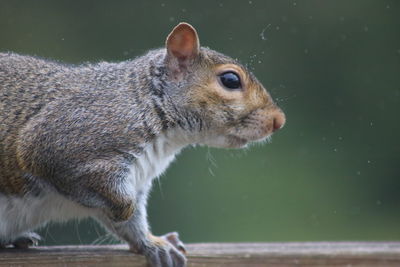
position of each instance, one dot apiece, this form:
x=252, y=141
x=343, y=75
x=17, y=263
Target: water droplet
x=171, y=18
x=306, y=51
x=335, y=150
x=368, y=161
x=183, y=10
x=162, y=4
x=259, y=62
x=387, y=6
x=294, y=4
x=211, y=171
x=371, y=123
x=250, y=2
x=277, y=28
x=310, y=17
x=340, y=138
x=63, y=39
x=378, y=202
x=262, y=34
x=324, y=138
x=358, y=173
x=221, y=5
x=341, y=19
x=366, y=28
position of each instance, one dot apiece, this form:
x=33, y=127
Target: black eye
x=230, y=80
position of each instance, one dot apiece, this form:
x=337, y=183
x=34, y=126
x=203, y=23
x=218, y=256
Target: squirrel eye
x=230, y=80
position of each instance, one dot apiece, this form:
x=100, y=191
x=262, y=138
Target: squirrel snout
x=278, y=120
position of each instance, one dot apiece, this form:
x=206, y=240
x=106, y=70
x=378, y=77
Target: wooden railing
x=216, y=254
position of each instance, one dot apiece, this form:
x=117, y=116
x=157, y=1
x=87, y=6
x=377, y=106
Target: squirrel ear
x=183, y=44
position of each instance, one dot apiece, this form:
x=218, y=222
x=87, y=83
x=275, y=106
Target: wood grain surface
x=216, y=254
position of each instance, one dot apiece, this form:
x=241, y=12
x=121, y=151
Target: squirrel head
x=222, y=101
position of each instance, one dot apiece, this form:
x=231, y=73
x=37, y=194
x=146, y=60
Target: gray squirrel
x=88, y=140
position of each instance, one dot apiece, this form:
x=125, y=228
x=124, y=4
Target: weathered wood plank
x=217, y=254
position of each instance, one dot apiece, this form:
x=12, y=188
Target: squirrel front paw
x=173, y=238
x=164, y=251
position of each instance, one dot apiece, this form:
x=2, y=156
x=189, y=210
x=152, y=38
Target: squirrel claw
x=166, y=257
x=173, y=238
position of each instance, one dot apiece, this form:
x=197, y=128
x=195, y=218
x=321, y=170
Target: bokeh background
x=333, y=66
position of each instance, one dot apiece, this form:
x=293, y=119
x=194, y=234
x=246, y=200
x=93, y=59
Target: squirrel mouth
x=237, y=141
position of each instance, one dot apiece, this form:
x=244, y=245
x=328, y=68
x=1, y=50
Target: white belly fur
x=18, y=215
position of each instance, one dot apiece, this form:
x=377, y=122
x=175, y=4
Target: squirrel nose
x=278, y=120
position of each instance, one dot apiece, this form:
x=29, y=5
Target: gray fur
x=92, y=137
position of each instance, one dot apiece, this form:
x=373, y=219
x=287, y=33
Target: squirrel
x=88, y=140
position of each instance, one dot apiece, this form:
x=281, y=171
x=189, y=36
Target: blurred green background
x=333, y=66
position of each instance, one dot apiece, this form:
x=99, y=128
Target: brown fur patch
x=250, y=97
x=158, y=241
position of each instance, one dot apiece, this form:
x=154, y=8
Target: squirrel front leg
x=109, y=187
x=166, y=250
x=118, y=198
x=98, y=185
